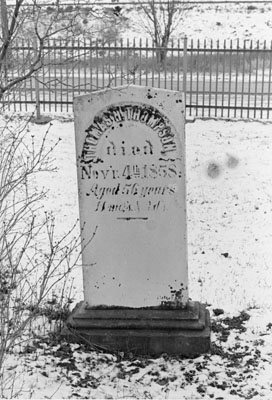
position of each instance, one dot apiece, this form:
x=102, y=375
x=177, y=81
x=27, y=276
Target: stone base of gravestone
x=146, y=331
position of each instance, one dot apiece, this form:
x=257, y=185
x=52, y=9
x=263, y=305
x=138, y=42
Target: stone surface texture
x=130, y=145
x=142, y=331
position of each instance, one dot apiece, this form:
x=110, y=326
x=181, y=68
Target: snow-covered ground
x=212, y=22
x=229, y=174
x=225, y=21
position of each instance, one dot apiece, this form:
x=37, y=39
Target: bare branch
x=159, y=20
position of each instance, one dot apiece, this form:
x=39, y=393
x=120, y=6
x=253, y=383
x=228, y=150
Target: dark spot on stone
x=232, y=161
x=225, y=255
x=213, y=170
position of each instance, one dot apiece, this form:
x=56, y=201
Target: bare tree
x=25, y=41
x=36, y=24
x=159, y=19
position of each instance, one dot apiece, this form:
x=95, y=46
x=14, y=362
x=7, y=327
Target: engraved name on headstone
x=130, y=146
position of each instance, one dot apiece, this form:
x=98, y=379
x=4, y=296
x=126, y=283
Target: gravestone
x=130, y=148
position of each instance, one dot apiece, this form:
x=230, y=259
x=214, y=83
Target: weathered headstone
x=130, y=146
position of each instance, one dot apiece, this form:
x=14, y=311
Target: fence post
x=185, y=65
x=37, y=86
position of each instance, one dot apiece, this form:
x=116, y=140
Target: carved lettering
x=169, y=147
x=141, y=183
x=140, y=113
x=134, y=171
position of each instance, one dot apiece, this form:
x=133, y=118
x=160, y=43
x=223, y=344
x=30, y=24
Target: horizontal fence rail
x=219, y=79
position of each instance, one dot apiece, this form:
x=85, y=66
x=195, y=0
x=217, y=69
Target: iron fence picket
x=165, y=67
x=96, y=64
x=243, y=79
x=145, y=52
x=269, y=80
x=204, y=76
x=236, y=77
x=197, y=76
x=191, y=75
x=172, y=63
x=230, y=75
x=256, y=81
x=55, y=72
x=210, y=82
x=185, y=69
x=216, y=77
x=263, y=78
x=178, y=68
x=249, y=79
x=223, y=80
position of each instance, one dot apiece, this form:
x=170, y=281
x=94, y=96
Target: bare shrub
x=34, y=263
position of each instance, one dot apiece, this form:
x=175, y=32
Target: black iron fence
x=219, y=79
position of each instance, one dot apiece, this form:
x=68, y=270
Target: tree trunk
x=5, y=36
x=4, y=20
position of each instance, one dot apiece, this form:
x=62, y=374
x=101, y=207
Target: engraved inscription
x=129, y=161
x=119, y=114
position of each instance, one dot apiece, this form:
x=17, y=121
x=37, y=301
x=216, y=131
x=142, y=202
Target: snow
x=229, y=172
x=230, y=212
x=212, y=22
